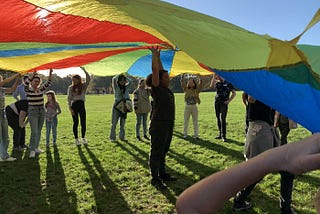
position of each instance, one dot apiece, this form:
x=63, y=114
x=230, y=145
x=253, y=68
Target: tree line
x=102, y=85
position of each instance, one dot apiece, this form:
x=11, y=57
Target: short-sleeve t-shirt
x=223, y=91
x=163, y=107
x=260, y=111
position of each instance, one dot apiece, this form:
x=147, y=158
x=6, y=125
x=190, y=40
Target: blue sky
x=282, y=19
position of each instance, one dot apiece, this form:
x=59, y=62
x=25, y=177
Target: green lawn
x=114, y=177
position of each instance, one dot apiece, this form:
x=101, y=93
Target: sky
x=281, y=19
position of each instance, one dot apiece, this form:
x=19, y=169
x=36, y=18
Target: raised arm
x=15, y=84
x=210, y=194
x=183, y=83
x=213, y=82
x=88, y=78
x=199, y=86
x=9, y=79
x=156, y=65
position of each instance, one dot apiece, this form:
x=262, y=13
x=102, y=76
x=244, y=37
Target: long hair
x=194, y=82
x=79, y=87
x=54, y=98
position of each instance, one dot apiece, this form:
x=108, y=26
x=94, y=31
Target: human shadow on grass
x=309, y=179
x=217, y=147
x=107, y=196
x=21, y=187
x=143, y=159
x=60, y=200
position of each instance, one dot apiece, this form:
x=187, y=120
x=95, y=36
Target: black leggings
x=79, y=110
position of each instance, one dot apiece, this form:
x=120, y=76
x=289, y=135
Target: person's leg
x=54, y=130
x=239, y=201
x=166, y=146
x=224, y=111
x=33, y=120
x=13, y=122
x=217, y=110
x=22, y=137
x=144, y=123
x=4, y=137
x=286, y=192
x=40, y=124
x=83, y=119
x=138, y=124
x=187, y=112
x=122, y=132
x=194, y=114
x=114, y=121
x=157, y=139
x=284, y=132
x=48, y=130
x=75, y=119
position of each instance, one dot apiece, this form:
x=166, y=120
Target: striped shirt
x=35, y=97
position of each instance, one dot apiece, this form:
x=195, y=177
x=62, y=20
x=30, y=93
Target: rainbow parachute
x=112, y=36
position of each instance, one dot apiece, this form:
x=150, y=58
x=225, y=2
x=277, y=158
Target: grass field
x=114, y=177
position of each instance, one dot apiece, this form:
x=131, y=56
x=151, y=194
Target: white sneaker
x=77, y=142
x=37, y=150
x=32, y=154
x=10, y=159
x=84, y=141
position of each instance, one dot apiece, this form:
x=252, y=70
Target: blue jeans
x=51, y=125
x=36, y=117
x=4, y=138
x=141, y=117
x=114, y=120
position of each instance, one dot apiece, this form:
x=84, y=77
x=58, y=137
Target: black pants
x=221, y=113
x=285, y=191
x=19, y=134
x=161, y=136
x=284, y=129
x=79, y=110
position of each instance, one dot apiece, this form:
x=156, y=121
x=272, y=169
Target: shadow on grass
x=220, y=147
x=107, y=196
x=144, y=162
x=21, y=187
x=59, y=199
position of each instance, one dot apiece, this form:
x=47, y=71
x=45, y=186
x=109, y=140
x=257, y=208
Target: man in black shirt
x=222, y=100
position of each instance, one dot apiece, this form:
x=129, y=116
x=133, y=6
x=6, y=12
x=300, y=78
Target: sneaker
x=112, y=140
x=84, y=141
x=32, y=154
x=146, y=137
x=37, y=150
x=139, y=138
x=218, y=137
x=77, y=142
x=24, y=147
x=167, y=177
x=243, y=205
x=157, y=183
x=9, y=159
x=185, y=136
x=224, y=140
x=16, y=148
